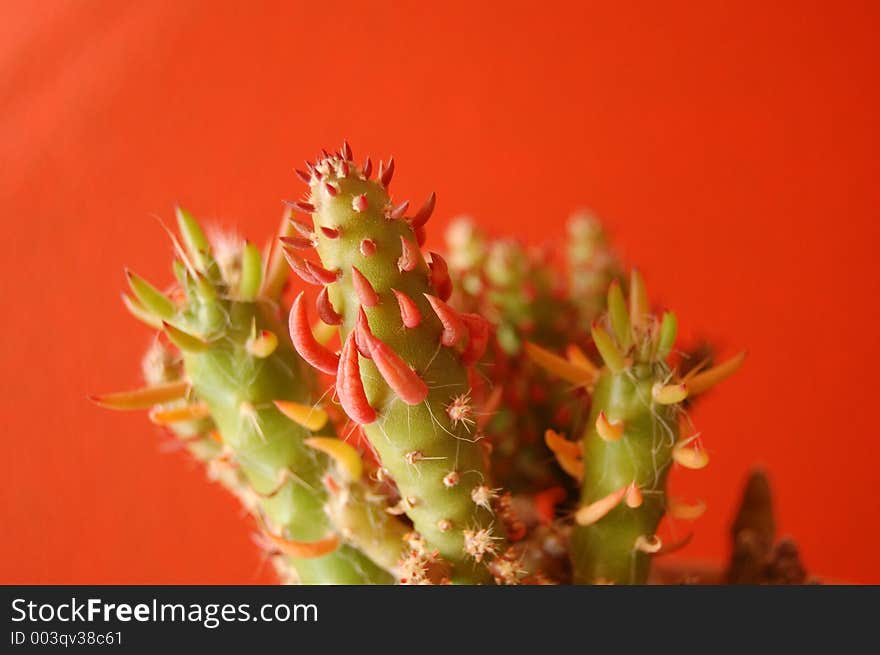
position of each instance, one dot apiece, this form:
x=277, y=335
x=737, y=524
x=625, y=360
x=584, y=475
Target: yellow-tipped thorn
x=618, y=315
x=143, y=398
x=568, y=454
x=589, y=514
x=149, y=297
x=579, y=358
x=685, y=511
x=183, y=340
x=666, y=549
x=648, y=545
x=568, y=371
x=702, y=382
x=192, y=412
x=251, y=272
x=607, y=429
x=277, y=270
x=304, y=549
x=638, y=299
x=141, y=313
x=310, y=417
x=667, y=334
x=690, y=458
x=346, y=457
x=669, y=394
x=559, y=444
x=194, y=239
x=633, y=496
x=611, y=354
x=262, y=345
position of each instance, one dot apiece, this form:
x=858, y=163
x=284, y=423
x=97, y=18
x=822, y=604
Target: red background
x=730, y=146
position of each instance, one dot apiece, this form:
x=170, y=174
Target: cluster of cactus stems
x=395, y=418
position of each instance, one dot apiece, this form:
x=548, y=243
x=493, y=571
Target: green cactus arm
x=191, y=424
x=237, y=366
x=405, y=356
x=631, y=440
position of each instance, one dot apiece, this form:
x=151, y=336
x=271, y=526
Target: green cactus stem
x=239, y=364
x=191, y=423
x=403, y=369
x=632, y=438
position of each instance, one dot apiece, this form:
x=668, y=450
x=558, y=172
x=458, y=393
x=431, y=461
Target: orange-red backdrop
x=730, y=146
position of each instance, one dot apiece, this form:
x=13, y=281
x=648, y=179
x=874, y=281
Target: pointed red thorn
x=409, y=255
x=399, y=211
x=362, y=333
x=440, y=279
x=344, y=169
x=350, y=387
x=325, y=153
x=365, y=292
x=332, y=190
x=367, y=170
x=402, y=379
x=322, y=274
x=310, y=167
x=409, y=312
x=478, y=338
x=425, y=212
x=388, y=173
x=297, y=242
x=298, y=266
x=300, y=205
x=304, y=341
x=303, y=176
x=368, y=247
x=303, y=229
x=325, y=309
x=453, y=327
x=330, y=232
x=421, y=235
x=346, y=152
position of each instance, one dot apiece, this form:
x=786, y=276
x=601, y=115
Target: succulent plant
x=404, y=370
x=632, y=437
x=430, y=443
x=238, y=370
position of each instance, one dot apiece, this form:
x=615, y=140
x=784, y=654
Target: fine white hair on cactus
x=226, y=245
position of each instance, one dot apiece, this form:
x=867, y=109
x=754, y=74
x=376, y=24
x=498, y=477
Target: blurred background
x=730, y=148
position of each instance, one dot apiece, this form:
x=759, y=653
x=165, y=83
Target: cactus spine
x=242, y=370
x=402, y=373
x=632, y=438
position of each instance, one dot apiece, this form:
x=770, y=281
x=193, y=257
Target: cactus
x=403, y=370
x=592, y=265
x=194, y=430
x=457, y=411
x=241, y=371
x=523, y=295
x=632, y=438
